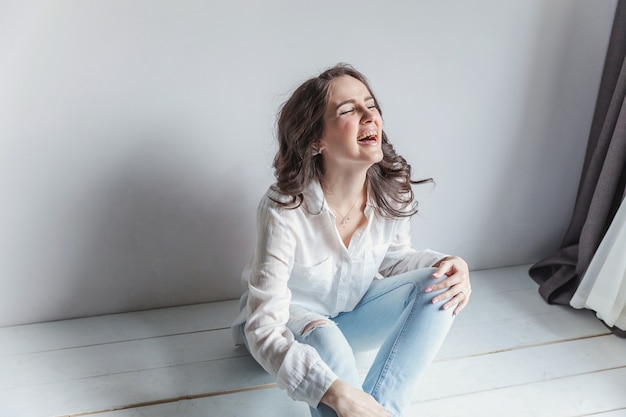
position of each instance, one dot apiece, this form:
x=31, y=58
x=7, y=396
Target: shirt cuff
x=312, y=385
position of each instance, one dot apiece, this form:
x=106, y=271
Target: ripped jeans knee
x=324, y=335
x=302, y=322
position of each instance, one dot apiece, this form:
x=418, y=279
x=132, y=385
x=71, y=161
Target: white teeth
x=367, y=135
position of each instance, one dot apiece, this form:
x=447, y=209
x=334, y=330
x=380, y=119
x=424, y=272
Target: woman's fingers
x=457, y=282
x=459, y=300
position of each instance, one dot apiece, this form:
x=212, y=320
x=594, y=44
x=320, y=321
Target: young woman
x=334, y=271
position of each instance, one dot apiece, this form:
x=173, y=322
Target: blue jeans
x=396, y=316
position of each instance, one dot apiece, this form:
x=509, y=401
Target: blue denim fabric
x=395, y=316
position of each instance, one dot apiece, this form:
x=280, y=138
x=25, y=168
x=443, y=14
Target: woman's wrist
x=436, y=264
x=333, y=394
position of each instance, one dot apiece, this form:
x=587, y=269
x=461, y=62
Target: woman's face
x=353, y=126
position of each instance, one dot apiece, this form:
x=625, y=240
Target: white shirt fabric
x=301, y=260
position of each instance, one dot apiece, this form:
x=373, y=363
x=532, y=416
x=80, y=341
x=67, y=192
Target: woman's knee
x=417, y=281
x=328, y=340
x=313, y=325
x=421, y=277
x=323, y=334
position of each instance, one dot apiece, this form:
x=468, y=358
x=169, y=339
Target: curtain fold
x=603, y=181
x=603, y=287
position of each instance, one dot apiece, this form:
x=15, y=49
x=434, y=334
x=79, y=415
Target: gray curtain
x=603, y=182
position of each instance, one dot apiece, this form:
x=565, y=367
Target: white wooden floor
x=508, y=354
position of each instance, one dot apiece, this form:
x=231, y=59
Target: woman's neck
x=346, y=197
x=345, y=192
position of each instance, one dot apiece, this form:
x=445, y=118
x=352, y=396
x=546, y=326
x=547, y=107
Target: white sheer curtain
x=603, y=287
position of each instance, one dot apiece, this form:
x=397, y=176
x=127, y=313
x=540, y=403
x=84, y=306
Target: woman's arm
x=402, y=257
x=297, y=367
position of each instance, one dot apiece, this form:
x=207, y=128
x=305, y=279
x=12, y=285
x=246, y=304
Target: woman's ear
x=317, y=148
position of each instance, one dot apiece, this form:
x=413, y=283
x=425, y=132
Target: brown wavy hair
x=300, y=126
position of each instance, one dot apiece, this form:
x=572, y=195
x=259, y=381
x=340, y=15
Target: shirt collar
x=314, y=198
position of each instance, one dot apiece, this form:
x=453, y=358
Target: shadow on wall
x=164, y=231
x=160, y=227
x=549, y=142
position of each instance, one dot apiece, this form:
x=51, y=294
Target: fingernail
x=446, y=307
x=435, y=300
x=428, y=289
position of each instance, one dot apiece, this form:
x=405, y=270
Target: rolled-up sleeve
x=297, y=367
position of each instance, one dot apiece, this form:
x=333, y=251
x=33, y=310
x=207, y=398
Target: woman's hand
x=457, y=282
x=348, y=401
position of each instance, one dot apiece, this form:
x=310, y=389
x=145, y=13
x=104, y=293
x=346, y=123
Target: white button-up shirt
x=301, y=260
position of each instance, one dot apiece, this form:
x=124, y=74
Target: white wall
x=136, y=137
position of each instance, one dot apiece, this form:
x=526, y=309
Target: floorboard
x=519, y=367
x=599, y=391
x=131, y=389
x=509, y=353
x=119, y=357
x=615, y=413
x=43, y=337
x=256, y=403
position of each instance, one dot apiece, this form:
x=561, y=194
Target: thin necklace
x=345, y=219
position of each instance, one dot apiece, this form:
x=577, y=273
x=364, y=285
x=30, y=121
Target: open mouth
x=368, y=137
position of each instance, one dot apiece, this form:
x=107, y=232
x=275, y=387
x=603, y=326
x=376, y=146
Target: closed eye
x=371, y=106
